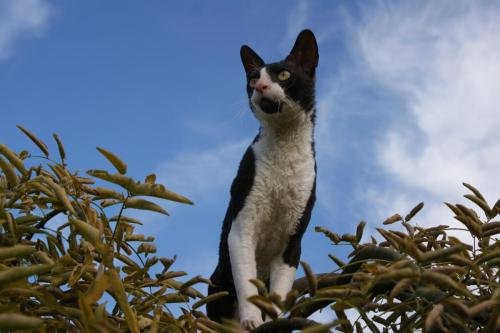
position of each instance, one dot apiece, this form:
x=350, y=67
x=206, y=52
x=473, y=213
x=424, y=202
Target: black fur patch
x=269, y=106
x=222, y=278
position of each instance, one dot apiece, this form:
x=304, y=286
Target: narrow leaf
x=121, y=299
x=414, y=211
x=475, y=191
x=60, y=147
x=264, y=305
x=89, y=232
x=60, y=194
x=119, y=165
x=311, y=278
x=18, y=321
x=432, y=317
x=392, y=219
x=359, y=231
x=38, y=142
x=9, y=172
x=16, y=251
x=97, y=288
x=17, y=273
x=210, y=298
x=135, y=188
x=144, y=205
x=481, y=203
x=13, y=158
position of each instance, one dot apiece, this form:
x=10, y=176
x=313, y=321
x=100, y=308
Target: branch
x=46, y=218
x=332, y=279
x=324, y=280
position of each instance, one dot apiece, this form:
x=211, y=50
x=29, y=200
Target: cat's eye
x=252, y=82
x=283, y=75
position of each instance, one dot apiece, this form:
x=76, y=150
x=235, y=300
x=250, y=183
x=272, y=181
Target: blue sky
x=407, y=96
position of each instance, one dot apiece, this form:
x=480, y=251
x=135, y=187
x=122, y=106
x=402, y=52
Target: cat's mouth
x=269, y=106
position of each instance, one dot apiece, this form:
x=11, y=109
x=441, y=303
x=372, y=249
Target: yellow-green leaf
x=393, y=218
x=150, y=179
x=18, y=321
x=97, y=288
x=36, y=141
x=89, y=232
x=9, y=172
x=121, y=299
x=210, y=298
x=120, y=166
x=13, y=158
x=135, y=188
x=60, y=194
x=311, y=278
x=17, y=273
x=60, y=147
x=144, y=205
x=16, y=251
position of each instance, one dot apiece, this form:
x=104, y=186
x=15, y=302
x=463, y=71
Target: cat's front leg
x=282, y=276
x=244, y=268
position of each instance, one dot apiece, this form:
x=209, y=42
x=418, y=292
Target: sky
x=407, y=97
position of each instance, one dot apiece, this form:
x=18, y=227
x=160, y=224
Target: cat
x=273, y=193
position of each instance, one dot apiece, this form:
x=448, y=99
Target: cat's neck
x=297, y=129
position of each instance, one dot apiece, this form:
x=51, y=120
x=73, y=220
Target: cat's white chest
x=284, y=175
x=284, y=178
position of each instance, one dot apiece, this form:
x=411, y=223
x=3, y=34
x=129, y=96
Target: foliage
x=416, y=279
x=67, y=264
x=71, y=261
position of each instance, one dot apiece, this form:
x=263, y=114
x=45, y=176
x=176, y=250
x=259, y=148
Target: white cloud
x=296, y=21
x=203, y=174
x=20, y=19
x=443, y=60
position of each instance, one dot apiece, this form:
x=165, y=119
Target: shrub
x=64, y=259
x=416, y=279
x=71, y=261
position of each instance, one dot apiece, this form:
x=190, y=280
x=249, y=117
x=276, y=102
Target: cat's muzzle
x=269, y=106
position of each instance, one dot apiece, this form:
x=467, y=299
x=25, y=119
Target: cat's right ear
x=251, y=60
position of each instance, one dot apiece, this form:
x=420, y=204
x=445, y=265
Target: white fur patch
x=284, y=177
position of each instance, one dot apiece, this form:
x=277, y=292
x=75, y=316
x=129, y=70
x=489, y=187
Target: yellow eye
x=252, y=82
x=283, y=75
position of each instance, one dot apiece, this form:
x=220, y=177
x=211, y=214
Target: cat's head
x=282, y=89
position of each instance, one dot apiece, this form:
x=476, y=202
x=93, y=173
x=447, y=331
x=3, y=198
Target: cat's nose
x=261, y=86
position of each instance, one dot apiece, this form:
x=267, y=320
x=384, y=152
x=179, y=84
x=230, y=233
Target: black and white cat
x=273, y=193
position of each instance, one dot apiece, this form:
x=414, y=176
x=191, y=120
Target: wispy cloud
x=20, y=19
x=442, y=59
x=296, y=21
x=204, y=174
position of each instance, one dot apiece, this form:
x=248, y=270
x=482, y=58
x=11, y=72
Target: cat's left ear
x=305, y=52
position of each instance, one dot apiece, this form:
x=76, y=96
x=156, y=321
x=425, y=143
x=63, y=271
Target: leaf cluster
x=70, y=258
x=71, y=261
x=415, y=279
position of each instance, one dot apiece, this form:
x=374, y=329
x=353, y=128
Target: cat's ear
x=251, y=60
x=305, y=52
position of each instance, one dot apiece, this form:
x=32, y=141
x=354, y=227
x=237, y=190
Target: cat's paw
x=250, y=323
